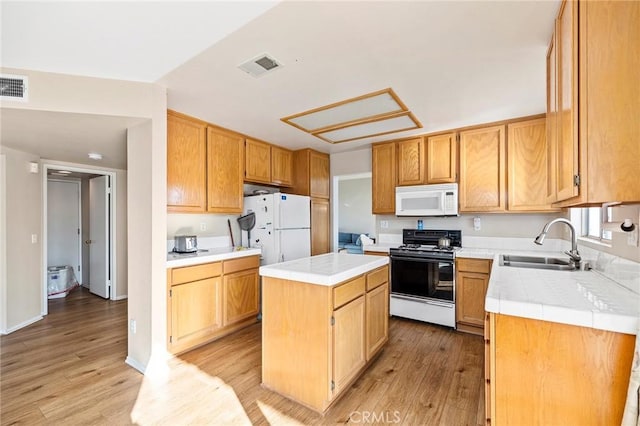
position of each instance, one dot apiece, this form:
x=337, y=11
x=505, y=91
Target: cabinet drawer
x=348, y=291
x=481, y=266
x=377, y=277
x=240, y=264
x=195, y=273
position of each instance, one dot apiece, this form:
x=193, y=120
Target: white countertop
x=325, y=269
x=582, y=298
x=175, y=260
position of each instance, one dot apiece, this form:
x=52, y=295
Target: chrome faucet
x=573, y=254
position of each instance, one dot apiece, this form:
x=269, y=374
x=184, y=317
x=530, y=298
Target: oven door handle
x=422, y=260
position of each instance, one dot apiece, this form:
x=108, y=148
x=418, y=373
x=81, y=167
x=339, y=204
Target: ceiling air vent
x=261, y=65
x=13, y=87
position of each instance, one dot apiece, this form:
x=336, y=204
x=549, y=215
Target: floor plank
x=69, y=369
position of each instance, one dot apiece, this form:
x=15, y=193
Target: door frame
x=3, y=246
x=78, y=183
x=112, y=226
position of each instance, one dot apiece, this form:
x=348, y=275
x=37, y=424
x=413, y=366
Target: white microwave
x=427, y=200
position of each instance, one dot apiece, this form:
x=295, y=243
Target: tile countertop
x=175, y=260
x=582, y=298
x=325, y=269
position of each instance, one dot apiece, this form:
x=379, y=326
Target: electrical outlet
x=132, y=326
x=384, y=224
x=632, y=238
x=476, y=224
x=203, y=226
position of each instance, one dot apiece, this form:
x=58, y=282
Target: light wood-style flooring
x=69, y=369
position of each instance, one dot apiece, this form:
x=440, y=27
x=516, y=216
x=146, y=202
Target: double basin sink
x=536, y=262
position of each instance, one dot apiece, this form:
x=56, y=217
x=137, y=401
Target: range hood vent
x=13, y=87
x=261, y=65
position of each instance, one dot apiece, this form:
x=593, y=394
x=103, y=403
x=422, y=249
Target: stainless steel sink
x=535, y=262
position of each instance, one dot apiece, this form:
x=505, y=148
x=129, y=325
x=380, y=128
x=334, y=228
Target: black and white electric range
x=423, y=276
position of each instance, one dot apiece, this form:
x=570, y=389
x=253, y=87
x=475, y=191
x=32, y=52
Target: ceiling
x=452, y=63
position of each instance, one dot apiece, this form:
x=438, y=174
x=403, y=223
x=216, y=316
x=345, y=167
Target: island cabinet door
x=377, y=307
x=349, y=354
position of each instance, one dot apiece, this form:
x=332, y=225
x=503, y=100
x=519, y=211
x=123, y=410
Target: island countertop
x=325, y=269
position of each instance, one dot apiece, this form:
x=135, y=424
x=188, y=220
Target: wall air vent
x=261, y=65
x=13, y=87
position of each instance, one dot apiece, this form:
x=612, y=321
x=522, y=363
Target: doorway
x=90, y=227
x=352, y=206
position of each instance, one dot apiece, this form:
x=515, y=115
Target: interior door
x=99, y=202
x=63, y=225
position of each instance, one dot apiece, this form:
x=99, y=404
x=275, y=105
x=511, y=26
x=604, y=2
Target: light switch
x=34, y=238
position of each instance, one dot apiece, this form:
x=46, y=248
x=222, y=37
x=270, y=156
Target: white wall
x=215, y=224
x=23, y=219
x=147, y=179
x=351, y=162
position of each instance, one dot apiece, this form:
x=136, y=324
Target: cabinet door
x=567, y=154
x=349, y=354
x=186, y=165
x=470, y=294
x=383, y=180
x=552, y=121
x=527, y=165
x=195, y=312
x=442, y=159
x=482, y=170
x=319, y=226
x=225, y=153
x=281, y=166
x=377, y=318
x=411, y=162
x=240, y=296
x=257, y=161
x=319, y=174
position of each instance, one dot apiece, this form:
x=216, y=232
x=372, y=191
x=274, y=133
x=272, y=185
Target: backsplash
x=215, y=225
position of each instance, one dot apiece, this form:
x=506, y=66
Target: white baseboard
x=124, y=296
x=135, y=364
x=23, y=324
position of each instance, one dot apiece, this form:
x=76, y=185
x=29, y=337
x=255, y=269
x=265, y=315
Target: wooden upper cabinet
x=319, y=174
x=598, y=102
x=225, y=153
x=610, y=101
x=281, y=166
x=411, y=157
x=567, y=99
x=482, y=169
x=527, y=165
x=186, y=164
x=441, y=158
x=383, y=178
x=552, y=121
x=257, y=161
x=311, y=171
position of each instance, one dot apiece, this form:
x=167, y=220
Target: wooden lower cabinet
x=348, y=342
x=210, y=300
x=472, y=281
x=546, y=373
x=240, y=296
x=316, y=339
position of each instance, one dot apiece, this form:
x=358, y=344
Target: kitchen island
x=324, y=319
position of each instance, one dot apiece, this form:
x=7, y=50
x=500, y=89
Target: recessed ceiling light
x=95, y=156
x=373, y=114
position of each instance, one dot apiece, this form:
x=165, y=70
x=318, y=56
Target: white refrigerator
x=283, y=226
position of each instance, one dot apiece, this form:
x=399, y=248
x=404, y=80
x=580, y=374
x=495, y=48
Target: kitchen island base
x=317, y=339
